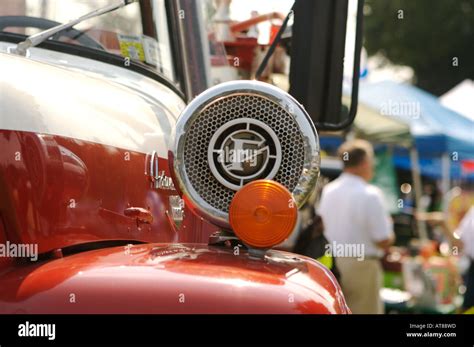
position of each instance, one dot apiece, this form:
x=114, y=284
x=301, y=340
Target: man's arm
x=379, y=221
x=440, y=219
x=385, y=244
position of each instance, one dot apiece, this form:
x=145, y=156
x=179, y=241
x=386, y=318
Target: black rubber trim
x=178, y=62
x=101, y=56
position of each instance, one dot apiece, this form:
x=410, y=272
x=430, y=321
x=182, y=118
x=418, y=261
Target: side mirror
x=318, y=55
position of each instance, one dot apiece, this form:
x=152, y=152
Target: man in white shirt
x=355, y=219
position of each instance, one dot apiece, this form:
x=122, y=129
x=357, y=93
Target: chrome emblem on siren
x=244, y=150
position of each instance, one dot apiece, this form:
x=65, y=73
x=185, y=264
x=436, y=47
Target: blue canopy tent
x=443, y=138
x=432, y=166
x=436, y=129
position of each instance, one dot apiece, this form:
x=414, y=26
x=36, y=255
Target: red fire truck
x=127, y=185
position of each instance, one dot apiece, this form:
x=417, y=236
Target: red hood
x=171, y=278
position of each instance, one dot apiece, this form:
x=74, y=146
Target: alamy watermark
x=19, y=250
x=349, y=250
x=398, y=108
x=227, y=155
x=28, y=329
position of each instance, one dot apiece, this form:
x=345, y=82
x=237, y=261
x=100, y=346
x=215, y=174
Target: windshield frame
x=117, y=60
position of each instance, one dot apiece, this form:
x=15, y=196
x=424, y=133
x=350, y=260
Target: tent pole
x=445, y=180
x=416, y=177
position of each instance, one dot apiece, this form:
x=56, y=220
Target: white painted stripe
x=43, y=98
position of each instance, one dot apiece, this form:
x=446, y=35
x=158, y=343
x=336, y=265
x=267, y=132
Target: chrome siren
x=238, y=132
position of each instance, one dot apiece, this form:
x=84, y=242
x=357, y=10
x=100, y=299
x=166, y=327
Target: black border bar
x=261, y=329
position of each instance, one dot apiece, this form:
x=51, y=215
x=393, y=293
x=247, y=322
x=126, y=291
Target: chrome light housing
x=237, y=132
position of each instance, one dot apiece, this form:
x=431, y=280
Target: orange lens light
x=263, y=213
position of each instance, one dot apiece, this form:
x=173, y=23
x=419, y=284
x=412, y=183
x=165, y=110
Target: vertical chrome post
x=194, y=46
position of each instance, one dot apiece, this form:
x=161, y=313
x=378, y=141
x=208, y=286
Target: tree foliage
x=434, y=37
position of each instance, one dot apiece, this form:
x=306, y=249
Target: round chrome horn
x=238, y=132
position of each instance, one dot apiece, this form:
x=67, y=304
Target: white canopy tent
x=460, y=99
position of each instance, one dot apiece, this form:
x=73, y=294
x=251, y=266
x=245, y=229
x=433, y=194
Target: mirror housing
x=317, y=61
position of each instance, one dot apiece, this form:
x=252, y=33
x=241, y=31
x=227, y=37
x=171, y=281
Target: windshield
x=138, y=32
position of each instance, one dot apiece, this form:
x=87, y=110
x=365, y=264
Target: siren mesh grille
x=224, y=110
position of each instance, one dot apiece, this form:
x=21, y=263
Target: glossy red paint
x=57, y=192
x=171, y=278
